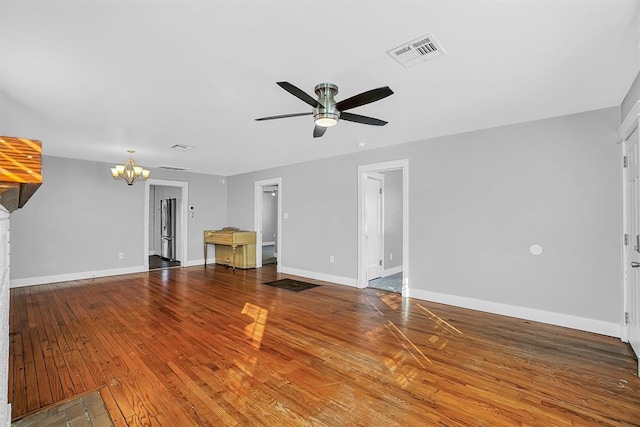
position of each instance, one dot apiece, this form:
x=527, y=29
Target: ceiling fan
x=326, y=111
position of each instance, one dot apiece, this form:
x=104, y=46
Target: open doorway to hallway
x=383, y=226
x=383, y=229
x=267, y=222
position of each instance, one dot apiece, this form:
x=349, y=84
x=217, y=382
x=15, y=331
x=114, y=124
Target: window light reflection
x=255, y=330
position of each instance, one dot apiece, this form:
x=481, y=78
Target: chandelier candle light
x=130, y=172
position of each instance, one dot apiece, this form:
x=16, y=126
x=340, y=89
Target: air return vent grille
x=183, y=147
x=417, y=51
x=173, y=168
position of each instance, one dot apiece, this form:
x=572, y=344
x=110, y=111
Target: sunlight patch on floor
x=255, y=330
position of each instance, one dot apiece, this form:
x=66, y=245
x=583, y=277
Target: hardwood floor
x=195, y=346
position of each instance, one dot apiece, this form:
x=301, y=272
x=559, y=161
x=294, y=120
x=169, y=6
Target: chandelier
x=130, y=172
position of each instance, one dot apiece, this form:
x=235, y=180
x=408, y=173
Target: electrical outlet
x=121, y=255
x=390, y=257
x=331, y=258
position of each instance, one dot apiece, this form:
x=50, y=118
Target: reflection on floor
x=391, y=283
x=269, y=255
x=156, y=263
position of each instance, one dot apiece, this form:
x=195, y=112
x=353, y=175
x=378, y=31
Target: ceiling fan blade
x=318, y=131
x=364, y=98
x=300, y=94
x=357, y=118
x=283, y=116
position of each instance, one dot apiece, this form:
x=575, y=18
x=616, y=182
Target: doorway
x=383, y=226
x=155, y=192
x=267, y=222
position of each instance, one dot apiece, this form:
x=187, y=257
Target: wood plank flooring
x=195, y=346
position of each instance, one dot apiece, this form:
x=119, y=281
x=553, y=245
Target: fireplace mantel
x=20, y=170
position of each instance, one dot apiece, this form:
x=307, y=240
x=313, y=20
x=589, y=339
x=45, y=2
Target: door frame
x=184, y=215
x=257, y=218
x=625, y=130
x=403, y=164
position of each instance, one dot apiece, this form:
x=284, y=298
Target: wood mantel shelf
x=20, y=170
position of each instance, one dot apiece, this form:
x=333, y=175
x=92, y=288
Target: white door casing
x=257, y=218
x=373, y=226
x=184, y=215
x=632, y=269
x=402, y=164
x=629, y=137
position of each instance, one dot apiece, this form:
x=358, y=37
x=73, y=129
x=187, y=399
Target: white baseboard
x=5, y=416
x=347, y=281
x=390, y=271
x=536, y=315
x=194, y=262
x=32, y=281
x=268, y=243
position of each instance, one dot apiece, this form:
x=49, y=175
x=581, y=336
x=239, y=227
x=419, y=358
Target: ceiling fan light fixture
x=326, y=120
x=327, y=112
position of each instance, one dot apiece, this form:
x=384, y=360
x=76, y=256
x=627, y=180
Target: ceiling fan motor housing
x=328, y=114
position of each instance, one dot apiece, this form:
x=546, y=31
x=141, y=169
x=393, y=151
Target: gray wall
x=80, y=219
x=631, y=98
x=477, y=202
x=392, y=219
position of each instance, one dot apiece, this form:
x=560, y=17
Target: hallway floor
x=392, y=283
x=156, y=262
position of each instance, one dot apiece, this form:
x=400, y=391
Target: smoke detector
x=417, y=51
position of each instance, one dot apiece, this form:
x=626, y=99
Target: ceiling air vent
x=173, y=168
x=417, y=51
x=182, y=147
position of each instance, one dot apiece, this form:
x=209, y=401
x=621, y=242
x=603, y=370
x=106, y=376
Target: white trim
x=257, y=217
x=624, y=258
x=7, y=415
x=268, y=243
x=403, y=164
x=393, y=270
x=536, y=315
x=346, y=281
x=625, y=130
x=384, y=166
x=630, y=123
x=184, y=215
x=42, y=280
x=197, y=262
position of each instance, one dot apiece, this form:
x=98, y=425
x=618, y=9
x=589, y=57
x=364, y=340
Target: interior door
x=373, y=224
x=632, y=177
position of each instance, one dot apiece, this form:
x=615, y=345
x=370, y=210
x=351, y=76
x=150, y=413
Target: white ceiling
x=92, y=79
